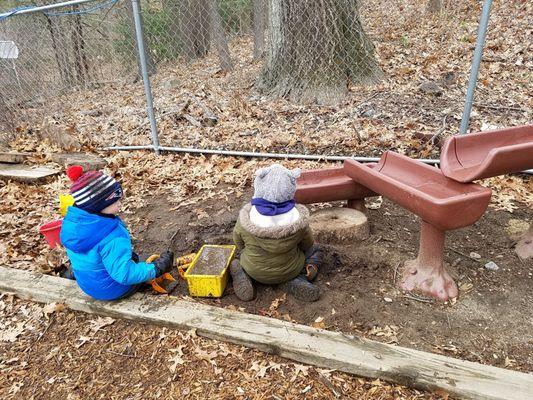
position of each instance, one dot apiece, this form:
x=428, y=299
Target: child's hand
x=164, y=263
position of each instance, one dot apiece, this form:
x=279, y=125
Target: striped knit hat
x=93, y=190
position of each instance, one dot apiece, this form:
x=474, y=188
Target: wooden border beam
x=332, y=350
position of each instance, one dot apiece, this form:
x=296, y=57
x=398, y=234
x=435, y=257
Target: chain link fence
x=81, y=47
x=50, y=53
x=214, y=63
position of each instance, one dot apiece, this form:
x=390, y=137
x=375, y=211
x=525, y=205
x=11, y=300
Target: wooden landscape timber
x=24, y=173
x=332, y=350
x=11, y=157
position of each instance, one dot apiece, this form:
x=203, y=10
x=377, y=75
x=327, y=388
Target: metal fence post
x=481, y=34
x=144, y=71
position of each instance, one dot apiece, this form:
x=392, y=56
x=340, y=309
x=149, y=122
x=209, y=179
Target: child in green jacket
x=275, y=240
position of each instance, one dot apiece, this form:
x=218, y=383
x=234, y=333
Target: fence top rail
x=30, y=10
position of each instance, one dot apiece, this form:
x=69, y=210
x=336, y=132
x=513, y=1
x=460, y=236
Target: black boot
x=242, y=283
x=313, y=261
x=300, y=288
x=67, y=273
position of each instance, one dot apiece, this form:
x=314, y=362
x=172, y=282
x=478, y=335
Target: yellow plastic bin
x=204, y=285
x=65, y=201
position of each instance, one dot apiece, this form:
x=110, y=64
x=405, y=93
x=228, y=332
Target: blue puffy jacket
x=99, y=249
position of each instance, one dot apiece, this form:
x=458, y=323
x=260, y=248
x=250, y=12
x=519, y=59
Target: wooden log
x=11, y=157
x=333, y=350
x=24, y=173
x=87, y=161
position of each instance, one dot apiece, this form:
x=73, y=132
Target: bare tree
x=172, y=8
x=195, y=29
x=315, y=49
x=6, y=121
x=221, y=42
x=259, y=7
x=57, y=35
x=80, y=56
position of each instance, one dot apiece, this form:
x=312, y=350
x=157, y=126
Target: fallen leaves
x=52, y=308
x=11, y=333
x=100, y=323
x=201, y=354
x=319, y=323
x=177, y=358
x=387, y=334
x=82, y=340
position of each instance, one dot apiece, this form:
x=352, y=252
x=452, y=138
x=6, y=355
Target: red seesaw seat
x=423, y=190
x=329, y=184
x=466, y=158
x=441, y=203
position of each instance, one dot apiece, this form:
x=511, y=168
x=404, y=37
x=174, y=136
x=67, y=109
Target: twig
x=464, y=255
x=121, y=354
x=208, y=113
x=172, y=238
x=395, y=272
x=499, y=108
x=368, y=99
x=328, y=384
x=448, y=318
x=192, y=120
x=52, y=319
x=440, y=131
x=165, y=114
x=412, y=296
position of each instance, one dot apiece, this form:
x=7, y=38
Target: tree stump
x=87, y=161
x=339, y=225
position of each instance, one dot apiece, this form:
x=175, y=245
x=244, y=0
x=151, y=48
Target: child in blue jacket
x=98, y=243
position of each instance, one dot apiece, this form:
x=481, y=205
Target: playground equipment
x=331, y=184
x=442, y=199
x=441, y=203
x=466, y=158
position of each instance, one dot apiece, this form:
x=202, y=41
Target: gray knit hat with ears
x=276, y=183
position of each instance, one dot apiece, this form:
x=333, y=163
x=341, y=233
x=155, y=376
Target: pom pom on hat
x=74, y=172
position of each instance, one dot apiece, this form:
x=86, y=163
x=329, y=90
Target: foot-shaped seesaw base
x=524, y=247
x=427, y=274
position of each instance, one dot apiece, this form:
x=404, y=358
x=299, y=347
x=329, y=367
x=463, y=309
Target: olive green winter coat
x=276, y=254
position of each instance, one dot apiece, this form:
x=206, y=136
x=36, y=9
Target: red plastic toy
x=51, y=232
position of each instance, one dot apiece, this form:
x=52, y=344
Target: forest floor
x=51, y=353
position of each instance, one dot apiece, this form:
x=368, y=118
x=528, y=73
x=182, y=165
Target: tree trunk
x=219, y=36
x=195, y=28
x=259, y=28
x=6, y=121
x=149, y=60
x=315, y=49
x=80, y=58
x=434, y=6
x=61, y=55
x=172, y=9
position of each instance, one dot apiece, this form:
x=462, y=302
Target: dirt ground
x=489, y=323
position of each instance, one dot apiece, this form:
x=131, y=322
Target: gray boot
x=242, y=283
x=300, y=288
